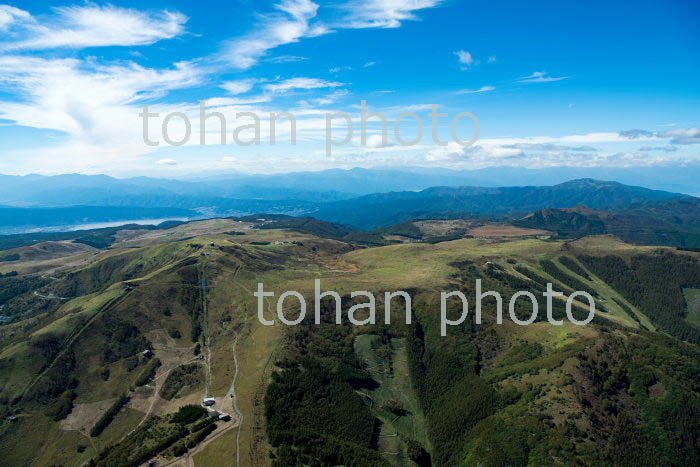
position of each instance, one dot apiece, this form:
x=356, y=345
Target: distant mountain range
x=234, y=191
x=378, y=210
x=579, y=207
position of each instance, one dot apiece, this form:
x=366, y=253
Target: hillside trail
x=232, y=390
x=156, y=388
x=270, y=359
x=188, y=457
x=206, y=332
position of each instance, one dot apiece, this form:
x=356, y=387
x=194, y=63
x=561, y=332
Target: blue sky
x=552, y=83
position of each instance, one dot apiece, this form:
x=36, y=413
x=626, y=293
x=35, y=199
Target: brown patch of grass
x=440, y=228
x=508, y=231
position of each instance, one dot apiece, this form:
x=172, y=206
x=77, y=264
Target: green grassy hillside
x=76, y=386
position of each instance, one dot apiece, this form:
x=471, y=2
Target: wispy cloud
x=95, y=102
x=10, y=14
x=240, y=86
x=668, y=148
x=382, y=13
x=456, y=152
x=94, y=26
x=540, y=77
x=297, y=19
x=94, y=105
x=549, y=147
x=286, y=59
x=328, y=99
x=301, y=83
x=475, y=91
x=289, y=24
x=167, y=162
x=339, y=69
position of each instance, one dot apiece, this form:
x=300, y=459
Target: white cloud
x=338, y=69
x=167, y=162
x=683, y=136
x=540, y=77
x=294, y=20
x=330, y=98
x=454, y=151
x=301, y=83
x=240, y=86
x=464, y=57
x=474, y=91
x=490, y=154
x=229, y=101
x=10, y=14
x=382, y=13
x=64, y=89
x=550, y=147
x=491, y=59
x=286, y=59
x=289, y=24
x=97, y=26
x=587, y=138
x=669, y=148
x=610, y=149
x=637, y=134
x=96, y=106
x=375, y=141
x=369, y=64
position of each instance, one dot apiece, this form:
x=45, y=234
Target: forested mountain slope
x=384, y=209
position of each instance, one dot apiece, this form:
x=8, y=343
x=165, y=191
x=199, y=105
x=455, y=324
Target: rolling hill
x=107, y=360
x=674, y=222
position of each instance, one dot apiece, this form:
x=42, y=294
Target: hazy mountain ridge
x=384, y=209
x=328, y=185
x=365, y=212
